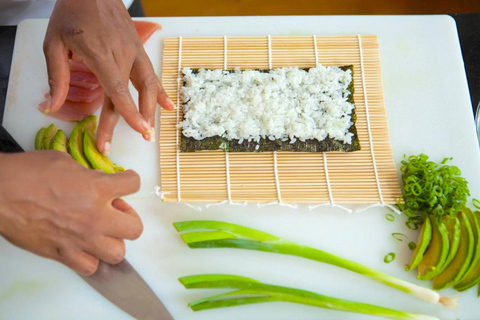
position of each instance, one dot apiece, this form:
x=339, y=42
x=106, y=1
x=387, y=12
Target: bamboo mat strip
x=367, y=176
x=367, y=115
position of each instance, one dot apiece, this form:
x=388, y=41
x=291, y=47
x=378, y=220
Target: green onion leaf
x=412, y=226
x=249, y=291
x=412, y=245
x=414, y=222
x=476, y=203
x=389, y=257
x=219, y=234
x=390, y=217
x=398, y=236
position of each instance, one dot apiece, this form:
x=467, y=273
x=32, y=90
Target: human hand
x=52, y=206
x=101, y=34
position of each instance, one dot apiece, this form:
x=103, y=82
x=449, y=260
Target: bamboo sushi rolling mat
x=367, y=176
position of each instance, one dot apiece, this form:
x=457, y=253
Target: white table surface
x=429, y=111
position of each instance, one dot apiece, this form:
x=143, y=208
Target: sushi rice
x=279, y=104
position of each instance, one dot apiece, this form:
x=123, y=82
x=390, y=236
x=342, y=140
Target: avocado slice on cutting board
x=437, y=252
x=422, y=243
x=96, y=159
x=47, y=137
x=75, y=144
x=454, y=235
x=38, y=139
x=60, y=141
x=472, y=276
x=459, y=265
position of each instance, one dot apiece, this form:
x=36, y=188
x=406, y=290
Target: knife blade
x=126, y=289
x=119, y=283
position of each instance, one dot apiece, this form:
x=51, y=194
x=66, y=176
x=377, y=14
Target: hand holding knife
x=119, y=283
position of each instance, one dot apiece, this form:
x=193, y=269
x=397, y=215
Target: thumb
x=58, y=70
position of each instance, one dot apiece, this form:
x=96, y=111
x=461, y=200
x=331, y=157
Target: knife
x=126, y=289
x=119, y=283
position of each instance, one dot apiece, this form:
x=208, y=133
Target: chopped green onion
x=250, y=291
x=390, y=217
x=476, y=203
x=412, y=245
x=445, y=160
x=431, y=188
x=414, y=222
x=398, y=236
x=217, y=234
x=412, y=226
x=389, y=257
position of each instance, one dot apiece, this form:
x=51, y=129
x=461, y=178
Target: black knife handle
x=7, y=143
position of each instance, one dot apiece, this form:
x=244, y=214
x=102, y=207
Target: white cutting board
x=429, y=111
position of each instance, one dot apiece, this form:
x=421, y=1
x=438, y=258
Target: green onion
x=476, y=203
x=414, y=222
x=250, y=291
x=217, y=234
x=431, y=188
x=398, y=236
x=390, y=217
x=389, y=257
x=412, y=226
x=412, y=245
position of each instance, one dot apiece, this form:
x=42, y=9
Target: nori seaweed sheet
x=189, y=144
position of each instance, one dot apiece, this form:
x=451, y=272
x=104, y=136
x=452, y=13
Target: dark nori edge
x=189, y=144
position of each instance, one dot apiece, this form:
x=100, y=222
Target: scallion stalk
x=250, y=291
x=217, y=234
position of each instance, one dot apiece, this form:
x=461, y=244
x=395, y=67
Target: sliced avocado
x=476, y=245
x=459, y=265
x=422, y=243
x=47, y=137
x=437, y=252
x=472, y=276
x=454, y=235
x=75, y=144
x=96, y=159
x=60, y=141
x=38, y=139
x=118, y=168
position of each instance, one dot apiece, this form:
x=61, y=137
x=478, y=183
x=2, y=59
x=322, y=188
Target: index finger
x=116, y=88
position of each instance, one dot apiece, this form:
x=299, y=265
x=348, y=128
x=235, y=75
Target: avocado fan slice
x=118, y=168
x=437, y=252
x=47, y=137
x=38, y=139
x=472, y=276
x=422, y=243
x=459, y=265
x=454, y=235
x=60, y=141
x=75, y=144
x=96, y=159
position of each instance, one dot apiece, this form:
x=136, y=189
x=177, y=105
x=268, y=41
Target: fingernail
x=170, y=102
x=152, y=130
x=45, y=105
x=146, y=127
x=106, y=148
x=151, y=137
